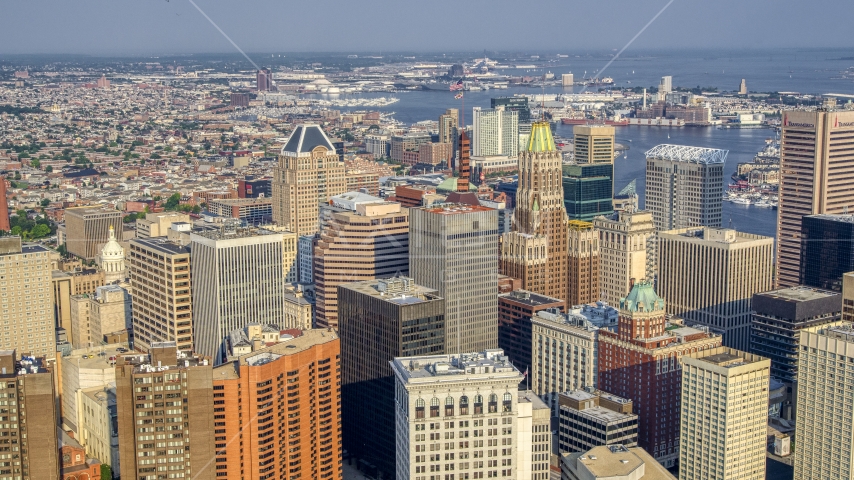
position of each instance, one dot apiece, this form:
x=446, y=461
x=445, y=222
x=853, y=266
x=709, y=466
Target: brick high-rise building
x=87, y=228
x=30, y=442
x=308, y=174
x=165, y=414
x=27, y=301
x=264, y=80
x=724, y=424
x=371, y=241
x=162, y=303
x=4, y=208
x=709, y=277
x=583, y=268
x=452, y=249
x=536, y=251
x=685, y=186
x=815, y=177
x=378, y=321
x=515, y=310
x=641, y=362
x=277, y=412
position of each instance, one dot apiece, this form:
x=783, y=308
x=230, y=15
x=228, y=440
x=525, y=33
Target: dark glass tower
x=588, y=190
x=827, y=250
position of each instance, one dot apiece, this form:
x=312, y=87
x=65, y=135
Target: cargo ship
x=585, y=121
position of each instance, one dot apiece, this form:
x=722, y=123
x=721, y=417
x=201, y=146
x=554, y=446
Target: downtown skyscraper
x=536, y=250
x=816, y=167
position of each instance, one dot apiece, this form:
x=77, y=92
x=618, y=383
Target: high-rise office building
x=825, y=423
x=815, y=171
x=827, y=250
x=495, y=132
x=452, y=249
x=778, y=319
x=848, y=297
x=626, y=252
x=565, y=354
x=514, y=104
x=165, y=414
x=264, y=80
x=709, y=277
x=30, y=432
x=641, y=362
x=515, y=309
x=448, y=124
x=724, y=419
x=4, y=209
x=533, y=423
x=243, y=283
x=583, y=267
x=27, y=301
x=475, y=396
x=594, y=143
x=277, y=412
x=95, y=316
x=685, y=186
x=308, y=174
x=666, y=84
x=536, y=251
x=370, y=241
x=378, y=321
x=592, y=418
x=162, y=300
x=87, y=228
x=588, y=191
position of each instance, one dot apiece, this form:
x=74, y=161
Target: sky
x=152, y=27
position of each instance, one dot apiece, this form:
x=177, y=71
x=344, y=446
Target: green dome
x=642, y=298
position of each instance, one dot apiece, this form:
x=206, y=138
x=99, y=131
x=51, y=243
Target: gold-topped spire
x=541, y=139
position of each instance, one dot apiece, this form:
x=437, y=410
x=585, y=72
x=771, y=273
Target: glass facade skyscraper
x=827, y=250
x=588, y=190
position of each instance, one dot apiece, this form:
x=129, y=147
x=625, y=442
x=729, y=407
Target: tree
x=106, y=472
x=17, y=175
x=173, y=201
x=16, y=230
x=63, y=250
x=35, y=163
x=40, y=231
x=45, y=202
x=48, y=169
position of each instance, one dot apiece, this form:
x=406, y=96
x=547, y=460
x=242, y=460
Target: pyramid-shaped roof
x=306, y=138
x=642, y=298
x=541, y=139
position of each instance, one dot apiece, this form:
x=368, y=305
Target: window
x=508, y=402
x=464, y=405
x=478, y=404
x=493, y=403
x=419, y=408
x=434, y=407
x=449, y=406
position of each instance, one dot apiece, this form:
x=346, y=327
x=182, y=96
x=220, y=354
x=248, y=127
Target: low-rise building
x=612, y=462
x=591, y=418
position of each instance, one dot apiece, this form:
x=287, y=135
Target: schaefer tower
x=536, y=250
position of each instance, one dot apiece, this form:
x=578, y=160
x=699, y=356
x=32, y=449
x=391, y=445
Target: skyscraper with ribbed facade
x=536, y=250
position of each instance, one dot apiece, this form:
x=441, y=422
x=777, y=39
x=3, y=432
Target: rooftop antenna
x=730, y=222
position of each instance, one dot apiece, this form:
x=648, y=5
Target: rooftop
x=530, y=299
x=456, y=209
x=397, y=290
x=163, y=245
x=688, y=154
x=726, y=236
x=843, y=218
x=489, y=364
x=642, y=298
x=306, y=138
x=799, y=294
x=541, y=139
x=307, y=340
x=617, y=462
x=242, y=201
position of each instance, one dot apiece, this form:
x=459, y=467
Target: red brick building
x=641, y=362
x=515, y=310
x=74, y=464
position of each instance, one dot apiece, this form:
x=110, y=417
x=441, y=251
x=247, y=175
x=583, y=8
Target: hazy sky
x=175, y=26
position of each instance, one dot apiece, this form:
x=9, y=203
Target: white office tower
x=238, y=280
x=458, y=415
x=724, y=415
x=823, y=441
x=495, y=131
x=665, y=85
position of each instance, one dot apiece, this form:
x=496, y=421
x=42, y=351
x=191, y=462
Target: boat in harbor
x=741, y=201
x=585, y=121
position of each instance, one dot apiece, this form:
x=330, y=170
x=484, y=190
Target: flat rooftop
x=242, y=201
x=409, y=295
x=160, y=244
x=617, y=461
x=490, y=364
x=308, y=339
x=530, y=299
x=604, y=415
x=95, y=358
x=456, y=209
x=834, y=218
x=799, y=294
